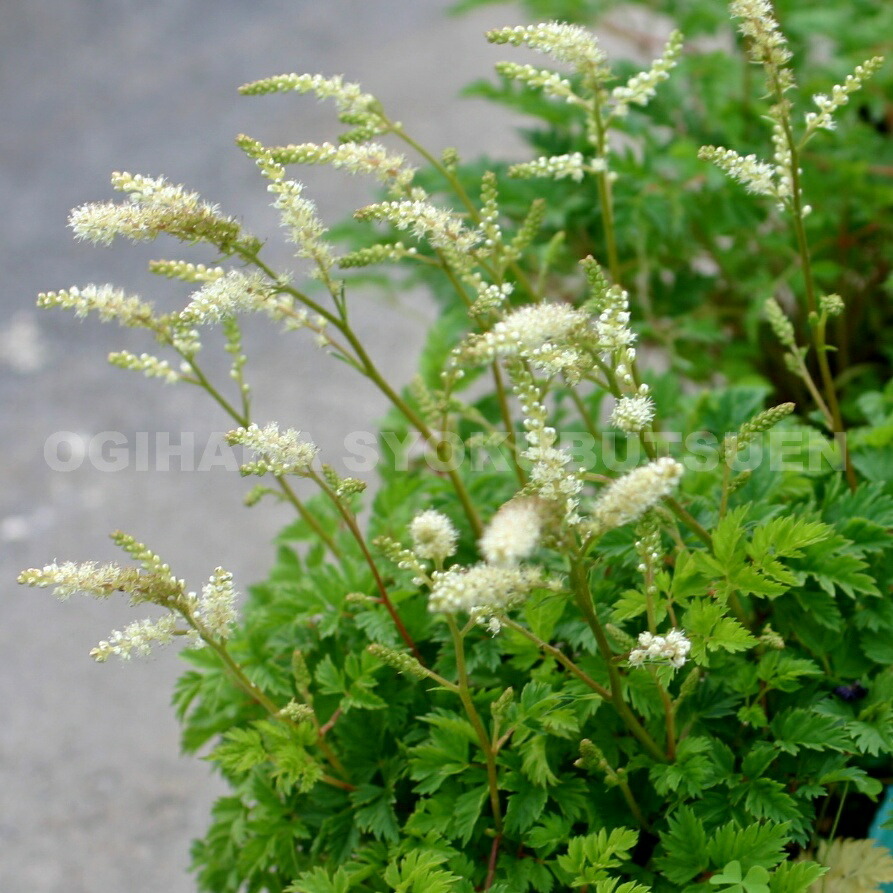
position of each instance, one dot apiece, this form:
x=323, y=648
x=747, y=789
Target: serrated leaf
x=373, y=811
x=467, y=810
x=535, y=762
x=710, y=630
x=524, y=808
x=783, y=671
x=874, y=737
x=766, y=799
x=858, y=778
x=589, y=857
x=796, y=729
x=318, y=880
x=419, y=872
x=550, y=834
x=795, y=877
x=728, y=538
x=329, y=678
x=832, y=567
x=689, y=774
x=685, y=847
x=241, y=751
x=786, y=536
x=756, y=844
x=610, y=886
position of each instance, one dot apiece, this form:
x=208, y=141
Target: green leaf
x=419, y=872
x=786, y=536
x=728, y=538
x=797, y=729
x=757, y=844
x=783, y=671
x=610, y=886
x=549, y=834
x=859, y=778
x=542, y=611
x=755, y=881
x=373, y=811
x=710, y=630
x=795, y=877
x=685, y=847
x=766, y=799
x=873, y=737
x=832, y=567
x=535, y=762
x=241, y=751
x=329, y=678
x=443, y=754
x=589, y=857
x=689, y=774
x=524, y=808
x=319, y=881
x=467, y=810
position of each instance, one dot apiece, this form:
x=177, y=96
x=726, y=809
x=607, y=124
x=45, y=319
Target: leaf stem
x=476, y=722
x=354, y=528
x=583, y=598
x=560, y=656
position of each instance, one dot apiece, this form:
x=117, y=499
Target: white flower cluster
x=280, y=452
x=89, y=577
x=757, y=177
x=629, y=497
x=513, y=533
x=832, y=304
x=138, y=637
x=481, y=589
x=155, y=207
x=555, y=166
x=356, y=158
x=490, y=297
x=780, y=323
x=434, y=536
x=550, y=82
x=215, y=610
x=443, y=229
x=784, y=171
x=758, y=23
x=376, y=254
x=354, y=106
x=567, y=43
x=233, y=293
x=840, y=95
x=612, y=326
x=185, y=270
x=295, y=712
x=543, y=334
x=672, y=648
x=149, y=365
x=550, y=475
x=109, y=302
x=298, y=215
x=528, y=329
x=633, y=414
x=640, y=88
x=617, y=339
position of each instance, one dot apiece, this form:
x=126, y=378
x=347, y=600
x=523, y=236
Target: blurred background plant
x=686, y=242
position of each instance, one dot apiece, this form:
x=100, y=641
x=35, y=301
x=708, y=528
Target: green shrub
x=609, y=625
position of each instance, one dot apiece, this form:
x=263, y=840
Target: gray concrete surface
x=94, y=794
